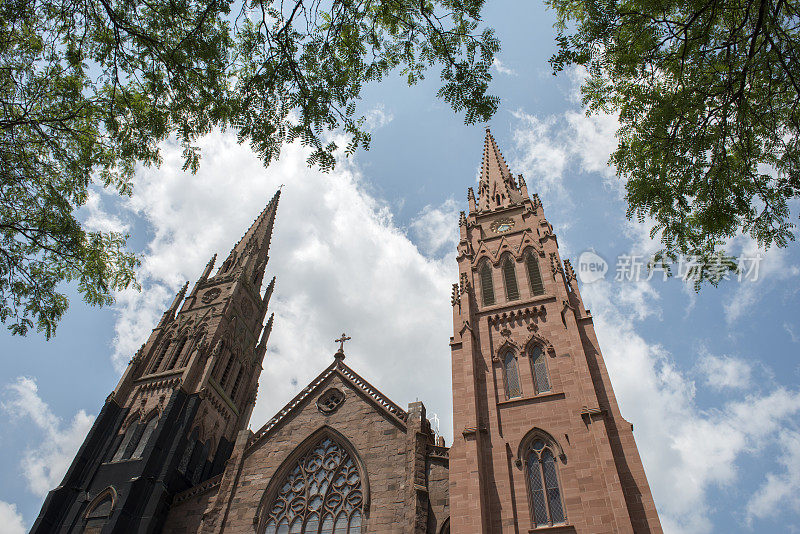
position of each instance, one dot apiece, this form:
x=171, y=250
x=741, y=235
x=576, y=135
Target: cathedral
x=539, y=444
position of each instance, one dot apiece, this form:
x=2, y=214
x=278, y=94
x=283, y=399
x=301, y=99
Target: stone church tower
x=539, y=442
x=188, y=392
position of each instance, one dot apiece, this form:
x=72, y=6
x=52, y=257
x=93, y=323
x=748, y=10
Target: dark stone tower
x=539, y=441
x=173, y=418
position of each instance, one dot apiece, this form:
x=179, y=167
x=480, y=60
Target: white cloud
x=11, y=520
x=436, y=229
x=779, y=489
x=44, y=465
x=790, y=330
x=687, y=451
x=341, y=264
x=96, y=217
x=501, y=68
x=725, y=371
x=378, y=117
x=769, y=266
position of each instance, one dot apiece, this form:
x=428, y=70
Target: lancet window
x=148, y=431
x=534, y=275
x=177, y=355
x=544, y=490
x=511, y=375
x=510, y=279
x=539, y=368
x=487, y=287
x=321, y=494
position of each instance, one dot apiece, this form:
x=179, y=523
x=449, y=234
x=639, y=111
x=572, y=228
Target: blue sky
x=709, y=380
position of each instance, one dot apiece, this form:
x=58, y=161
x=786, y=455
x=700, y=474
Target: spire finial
x=340, y=353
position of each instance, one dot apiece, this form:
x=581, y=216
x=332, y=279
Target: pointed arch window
x=539, y=368
x=321, y=494
x=176, y=357
x=510, y=279
x=160, y=357
x=148, y=431
x=511, y=375
x=125, y=443
x=236, y=382
x=534, y=275
x=227, y=370
x=487, y=288
x=543, y=488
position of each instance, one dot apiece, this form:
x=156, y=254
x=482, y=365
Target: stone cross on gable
x=341, y=340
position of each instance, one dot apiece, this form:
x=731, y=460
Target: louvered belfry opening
x=510, y=279
x=487, y=288
x=534, y=275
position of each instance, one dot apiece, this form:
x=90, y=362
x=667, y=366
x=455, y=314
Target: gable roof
x=356, y=381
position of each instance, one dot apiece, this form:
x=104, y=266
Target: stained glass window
x=487, y=288
x=534, y=275
x=545, y=495
x=322, y=494
x=539, y=366
x=510, y=279
x=511, y=371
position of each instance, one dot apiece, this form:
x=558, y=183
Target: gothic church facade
x=539, y=442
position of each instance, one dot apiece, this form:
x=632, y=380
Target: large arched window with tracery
x=543, y=487
x=321, y=494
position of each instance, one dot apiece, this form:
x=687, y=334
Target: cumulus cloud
x=501, y=68
x=725, y=371
x=96, y=216
x=44, y=465
x=779, y=489
x=11, y=520
x=436, y=229
x=341, y=261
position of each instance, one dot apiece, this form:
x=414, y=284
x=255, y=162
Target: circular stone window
x=210, y=295
x=329, y=401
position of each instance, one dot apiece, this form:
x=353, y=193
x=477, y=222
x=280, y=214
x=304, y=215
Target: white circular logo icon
x=591, y=267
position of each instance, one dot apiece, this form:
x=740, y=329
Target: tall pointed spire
x=251, y=252
x=497, y=187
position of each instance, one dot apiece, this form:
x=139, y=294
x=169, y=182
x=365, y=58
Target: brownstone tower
x=173, y=418
x=539, y=442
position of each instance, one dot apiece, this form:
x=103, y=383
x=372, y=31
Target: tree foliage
x=707, y=93
x=89, y=88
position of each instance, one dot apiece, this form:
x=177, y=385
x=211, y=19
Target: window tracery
x=321, y=494
x=544, y=492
